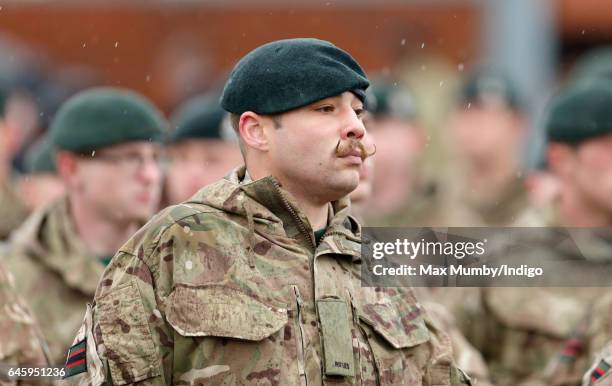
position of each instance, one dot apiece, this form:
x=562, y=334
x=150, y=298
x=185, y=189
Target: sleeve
x=21, y=341
x=123, y=339
x=599, y=343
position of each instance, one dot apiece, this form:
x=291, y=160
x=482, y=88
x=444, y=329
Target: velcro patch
x=76, y=362
x=602, y=369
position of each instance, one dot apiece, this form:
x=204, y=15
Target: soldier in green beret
x=486, y=133
x=107, y=143
x=202, y=148
x=579, y=128
x=255, y=279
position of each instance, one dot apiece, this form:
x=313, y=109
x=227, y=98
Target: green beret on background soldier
x=107, y=143
x=202, y=148
x=254, y=280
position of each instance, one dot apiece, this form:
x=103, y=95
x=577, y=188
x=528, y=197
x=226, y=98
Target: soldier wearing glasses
x=107, y=144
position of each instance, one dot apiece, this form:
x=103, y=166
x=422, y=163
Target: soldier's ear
x=252, y=128
x=560, y=158
x=66, y=165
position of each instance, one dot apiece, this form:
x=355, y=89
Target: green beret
x=486, y=86
x=391, y=99
x=40, y=157
x=104, y=116
x=594, y=64
x=582, y=111
x=199, y=117
x=287, y=74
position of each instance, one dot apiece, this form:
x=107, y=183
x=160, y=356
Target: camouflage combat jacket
x=599, y=343
x=12, y=210
x=21, y=342
x=531, y=336
x=229, y=288
x=55, y=274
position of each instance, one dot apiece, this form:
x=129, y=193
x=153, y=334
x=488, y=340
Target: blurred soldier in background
x=202, y=148
x=40, y=185
x=21, y=341
x=107, y=156
x=399, y=196
x=580, y=155
x=393, y=195
x=12, y=209
x=597, y=343
x=486, y=132
x=538, y=329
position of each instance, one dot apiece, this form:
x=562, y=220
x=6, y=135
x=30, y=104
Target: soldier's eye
x=326, y=109
x=360, y=112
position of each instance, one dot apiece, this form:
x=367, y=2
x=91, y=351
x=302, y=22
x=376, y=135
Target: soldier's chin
x=347, y=183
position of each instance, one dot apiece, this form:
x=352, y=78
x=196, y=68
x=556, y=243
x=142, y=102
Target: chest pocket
x=238, y=338
x=395, y=330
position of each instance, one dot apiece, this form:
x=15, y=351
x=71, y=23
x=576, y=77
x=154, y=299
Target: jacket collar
x=49, y=237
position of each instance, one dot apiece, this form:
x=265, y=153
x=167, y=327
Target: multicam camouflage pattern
x=224, y=289
x=509, y=209
x=464, y=353
x=599, y=343
x=55, y=274
x=537, y=330
x=12, y=210
x=21, y=342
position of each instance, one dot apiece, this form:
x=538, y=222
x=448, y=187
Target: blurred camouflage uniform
x=467, y=357
x=21, y=342
x=12, y=210
x=599, y=344
x=61, y=274
x=56, y=272
x=541, y=330
x=220, y=290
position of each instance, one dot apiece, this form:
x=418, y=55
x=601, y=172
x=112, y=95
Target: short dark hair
x=235, y=121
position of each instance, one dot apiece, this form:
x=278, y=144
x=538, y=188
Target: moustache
x=347, y=147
